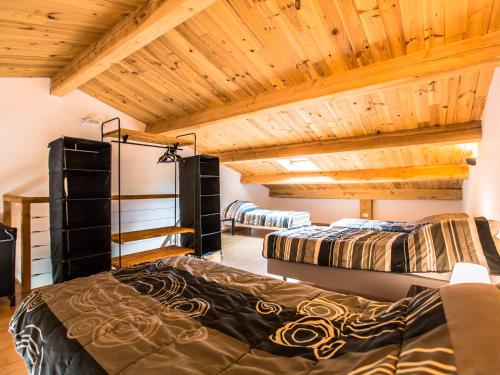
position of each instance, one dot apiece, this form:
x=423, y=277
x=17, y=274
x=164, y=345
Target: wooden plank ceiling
x=235, y=50
x=38, y=38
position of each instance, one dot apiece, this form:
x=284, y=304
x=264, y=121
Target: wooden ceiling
x=213, y=70
x=38, y=38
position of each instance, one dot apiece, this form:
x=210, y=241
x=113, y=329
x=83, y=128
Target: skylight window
x=298, y=165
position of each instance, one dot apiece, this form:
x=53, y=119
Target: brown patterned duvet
x=188, y=316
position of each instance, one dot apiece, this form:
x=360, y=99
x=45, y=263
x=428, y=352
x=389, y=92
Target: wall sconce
x=464, y=273
x=474, y=151
x=471, y=161
x=88, y=121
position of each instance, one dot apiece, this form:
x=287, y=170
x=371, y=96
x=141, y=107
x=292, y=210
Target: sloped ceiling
x=237, y=49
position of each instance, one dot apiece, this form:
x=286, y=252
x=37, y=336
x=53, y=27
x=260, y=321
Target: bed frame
x=235, y=224
x=374, y=284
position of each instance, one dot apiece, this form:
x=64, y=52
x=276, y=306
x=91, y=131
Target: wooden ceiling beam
x=467, y=132
x=385, y=175
x=139, y=28
x=443, y=61
x=369, y=193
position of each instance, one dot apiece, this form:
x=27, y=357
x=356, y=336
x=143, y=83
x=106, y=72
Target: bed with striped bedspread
x=248, y=213
x=382, y=246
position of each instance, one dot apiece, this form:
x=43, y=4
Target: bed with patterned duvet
x=188, y=316
x=401, y=247
x=249, y=214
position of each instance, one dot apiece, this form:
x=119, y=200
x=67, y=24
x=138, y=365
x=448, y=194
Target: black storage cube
x=81, y=267
x=80, y=207
x=199, y=201
x=85, y=242
x=79, y=154
x=7, y=262
x=210, y=204
x=210, y=224
x=211, y=243
x=78, y=185
x=209, y=165
x=210, y=186
x=87, y=213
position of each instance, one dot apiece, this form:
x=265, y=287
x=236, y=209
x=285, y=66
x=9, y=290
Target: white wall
x=232, y=189
x=323, y=211
x=328, y=210
x=482, y=190
x=30, y=118
x=407, y=210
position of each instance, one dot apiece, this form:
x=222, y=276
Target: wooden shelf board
x=149, y=233
x=151, y=255
x=135, y=135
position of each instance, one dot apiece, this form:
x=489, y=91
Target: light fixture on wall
x=471, y=161
x=88, y=121
x=473, y=150
x=464, y=273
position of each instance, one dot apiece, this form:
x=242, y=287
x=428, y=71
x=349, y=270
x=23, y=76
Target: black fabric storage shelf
x=211, y=243
x=210, y=186
x=80, y=207
x=87, y=156
x=79, y=185
x=210, y=224
x=209, y=166
x=199, y=201
x=210, y=204
x=86, y=213
x=81, y=243
x=86, y=266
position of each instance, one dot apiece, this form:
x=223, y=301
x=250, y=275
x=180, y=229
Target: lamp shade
x=464, y=273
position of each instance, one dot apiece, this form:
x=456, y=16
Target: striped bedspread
x=432, y=247
x=250, y=214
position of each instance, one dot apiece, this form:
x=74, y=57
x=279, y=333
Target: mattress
x=388, y=247
x=248, y=213
x=188, y=316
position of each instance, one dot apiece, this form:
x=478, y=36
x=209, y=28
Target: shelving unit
x=30, y=215
x=80, y=207
x=138, y=138
x=149, y=233
x=135, y=135
x=151, y=255
x=199, y=201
